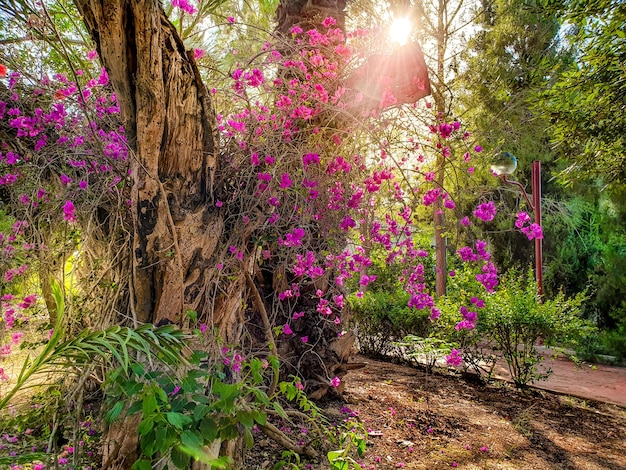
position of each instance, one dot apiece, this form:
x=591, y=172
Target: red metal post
x=536, y=187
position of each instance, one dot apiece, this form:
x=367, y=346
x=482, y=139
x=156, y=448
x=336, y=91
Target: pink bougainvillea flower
x=69, y=211
x=533, y=231
x=287, y=329
x=454, y=358
x=198, y=54
x=310, y=158
x=449, y=204
x=230, y=19
x=16, y=337
x=305, y=339
x=185, y=6
x=522, y=219
x=92, y=55
x=335, y=382
x=486, y=211
x=328, y=22
x=285, y=181
x=484, y=449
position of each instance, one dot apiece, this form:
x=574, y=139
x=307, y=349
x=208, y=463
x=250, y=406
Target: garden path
x=595, y=382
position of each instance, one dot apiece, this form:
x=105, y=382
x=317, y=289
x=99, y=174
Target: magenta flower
x=449, y=204
x=454, y=358
x=533, y=231
x=15, y=338
x=231, y=19
x=287, y=329
x=185, y=6
x=486, y=211
x=198, y=54
x=335, y=382
x=310, y=158
x=69, y=211
x=285, y=181
x=328, y=22
x=522, y=219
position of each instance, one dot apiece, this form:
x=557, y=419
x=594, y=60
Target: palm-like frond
x=115, y=344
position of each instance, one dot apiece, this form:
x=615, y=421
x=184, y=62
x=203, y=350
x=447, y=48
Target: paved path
x=597, y=382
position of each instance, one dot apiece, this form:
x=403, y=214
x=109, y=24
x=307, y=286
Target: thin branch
x=49, y=38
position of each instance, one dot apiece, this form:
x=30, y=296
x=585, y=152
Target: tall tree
x=585, y=96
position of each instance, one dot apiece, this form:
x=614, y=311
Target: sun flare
x=400, y=30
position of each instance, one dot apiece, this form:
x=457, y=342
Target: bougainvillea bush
x=313, y=177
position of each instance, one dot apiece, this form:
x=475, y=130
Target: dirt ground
x=419, y=421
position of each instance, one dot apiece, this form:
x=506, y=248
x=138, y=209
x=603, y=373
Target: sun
x=400, y=30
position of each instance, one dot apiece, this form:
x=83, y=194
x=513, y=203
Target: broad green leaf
x=178, y=420
x=191, y=439
x=245, y=418
x=260, y=417
x=208, y=428
x=145, y=426
x=180, y=458
x=149, y=404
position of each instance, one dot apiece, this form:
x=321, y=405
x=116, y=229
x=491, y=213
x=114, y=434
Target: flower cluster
x=531, y=230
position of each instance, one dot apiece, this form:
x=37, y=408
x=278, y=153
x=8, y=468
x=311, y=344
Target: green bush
x=382, y=318
x=515, y=320
x=604, y=343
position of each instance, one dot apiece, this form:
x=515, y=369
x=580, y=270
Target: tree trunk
x=170, y=124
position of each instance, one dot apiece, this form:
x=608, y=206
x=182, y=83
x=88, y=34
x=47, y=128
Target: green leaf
x=180, y=458
x=134, y=408
x=148, y=443
x=260, y=417
x=279, y=410
x=137, y=369
x=149, y=404
x=178, y=420
x=228, y=432
x=145, y=426
x=160, y=439
x=200, y=411
x=115, y=412
x=142, y=464
x=191, y=439
x=335, y=454
x=247, y=438
x=208, y=428
x=245, y=418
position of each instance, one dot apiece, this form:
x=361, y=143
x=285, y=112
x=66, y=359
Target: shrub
x=515, y=320
x=383, y=318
